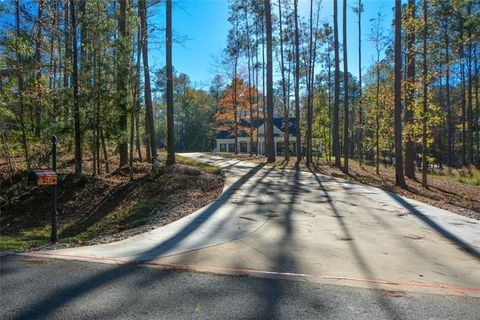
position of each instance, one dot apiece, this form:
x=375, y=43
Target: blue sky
x=204, y=25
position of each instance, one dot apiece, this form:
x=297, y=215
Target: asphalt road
x=33, y=288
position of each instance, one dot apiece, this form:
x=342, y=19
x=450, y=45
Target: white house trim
x=244, y=143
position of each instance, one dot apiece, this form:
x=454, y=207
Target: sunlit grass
x=195, y=163
x=191, y=162
x=12, y=243
x=468, y=175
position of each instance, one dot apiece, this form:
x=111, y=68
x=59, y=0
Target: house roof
x=226, y=134
x=278, y=122
x=244, y=124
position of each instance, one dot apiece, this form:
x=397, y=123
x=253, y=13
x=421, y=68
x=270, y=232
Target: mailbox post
x=49, y=178
x=54, y=236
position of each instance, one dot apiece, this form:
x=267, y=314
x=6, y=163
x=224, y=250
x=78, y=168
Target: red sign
x=46, y=178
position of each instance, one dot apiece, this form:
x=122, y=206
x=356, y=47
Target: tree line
x=416, y=105
x=80, y=70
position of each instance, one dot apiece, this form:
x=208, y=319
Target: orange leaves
x=235, y=98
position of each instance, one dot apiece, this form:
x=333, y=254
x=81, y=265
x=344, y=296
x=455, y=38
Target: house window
x=243, y=147
x=231, y=147
x=223, y=147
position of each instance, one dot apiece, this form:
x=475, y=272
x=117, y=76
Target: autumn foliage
x=235, y=99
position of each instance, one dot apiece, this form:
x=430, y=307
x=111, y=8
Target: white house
x=225, y=139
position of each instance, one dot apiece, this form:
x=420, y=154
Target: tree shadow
x=439, y=229
x=417, y=250
x=389, y=307
x=173, y=241
x=284, y=261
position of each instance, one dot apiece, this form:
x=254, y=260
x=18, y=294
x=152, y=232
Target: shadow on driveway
x=439, y=229
x=43, y=308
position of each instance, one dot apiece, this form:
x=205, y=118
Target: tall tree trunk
x=19, y=66
x=312, y=78
x=360, y=97
x=377, y=118
x=137, y=97
x=308, y=136
x=97, y=112
x=425, y=98
x=170, y=123
x=138, y=145
x=83, y=59
x=410, y=91
x=477, y=120
x=377, y=99
x=94, y=118
x=257, y=96
x=297, y=84
x=336, y=103
x=330, y=111
x=469, y=93
x=235, y=83
x=152, y=155
x=399, y=178
x=38, y=71
x=132, y=141
x=134, y=92
x=122, y=74
x=235, y=104
x=52, y=63
x=105, y=152
x=268, y=25
x=68, y=59
x=249, y=64
x=450, y=120
x=286, y=120
x=462, y=84
x=345, y=88
x=76, y=103
x=289, y=86
x=264, y=96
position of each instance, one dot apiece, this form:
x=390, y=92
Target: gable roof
x=279, y=123
x=226, y=134
x=244, y=127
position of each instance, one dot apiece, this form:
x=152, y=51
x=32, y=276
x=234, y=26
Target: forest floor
x=455, y=190
x=105, y=208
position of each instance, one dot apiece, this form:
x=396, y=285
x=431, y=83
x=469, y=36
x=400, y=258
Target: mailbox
x=42, y=178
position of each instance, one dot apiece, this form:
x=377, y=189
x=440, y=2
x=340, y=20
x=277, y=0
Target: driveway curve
x=281, y=223
x=239, y=210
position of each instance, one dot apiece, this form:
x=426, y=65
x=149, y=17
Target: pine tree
x=399, y=178
x=170, y=123
x=346, y=136
x=268, y=28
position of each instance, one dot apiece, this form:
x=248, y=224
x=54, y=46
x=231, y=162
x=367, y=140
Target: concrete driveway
x=306, y=226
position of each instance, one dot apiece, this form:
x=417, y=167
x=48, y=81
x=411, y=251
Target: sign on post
x=43, y=178
x=49, y=178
